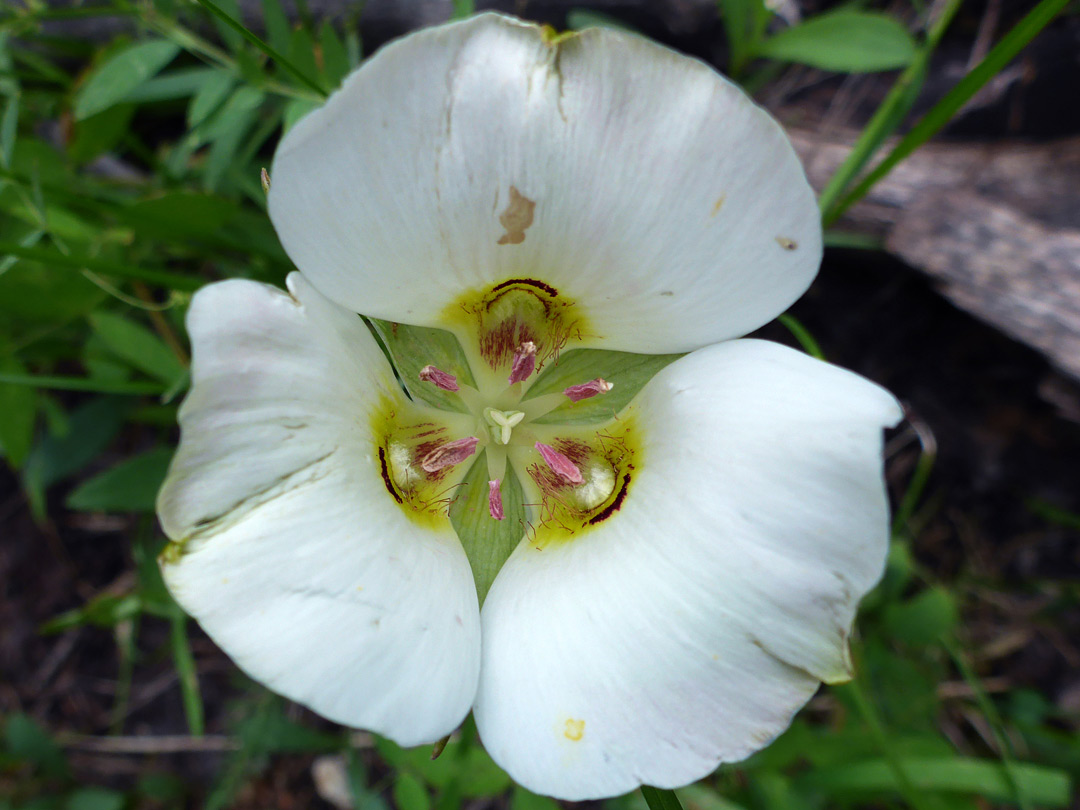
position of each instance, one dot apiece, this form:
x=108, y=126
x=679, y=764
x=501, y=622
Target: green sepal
x=627, y=373
x=487, y=542
x=413, y=347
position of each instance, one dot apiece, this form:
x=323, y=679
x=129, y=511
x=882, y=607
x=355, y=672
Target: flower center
x=504, y=461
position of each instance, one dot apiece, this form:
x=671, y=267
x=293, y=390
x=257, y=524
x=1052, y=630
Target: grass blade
x=54, y=258
x=896, y=104
x=286, y=65
x=942, y=112
x=184, y=662
x=895, y=768
x=82, y=384
x=1045, y=787
x=990, y=712
x=802, y=334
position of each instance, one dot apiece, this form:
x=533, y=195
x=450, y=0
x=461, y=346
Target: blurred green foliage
x=129, y=176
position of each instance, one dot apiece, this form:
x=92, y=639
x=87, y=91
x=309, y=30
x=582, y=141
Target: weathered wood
x=997, y=226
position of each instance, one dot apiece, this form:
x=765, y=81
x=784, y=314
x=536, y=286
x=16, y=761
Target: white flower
x=687, y=573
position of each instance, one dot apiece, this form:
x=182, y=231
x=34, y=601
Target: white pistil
x=524, y=362
x=449, y=454
x=562, y=465
x=502, y=423
x=439, y=378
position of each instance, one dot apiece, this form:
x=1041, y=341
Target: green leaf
x=413, y=347
x=886, y=119
x=285, y=64
x=578, y=19
x=335, y=59
x=55, y=258
x=301, y=51
x=18, y=414
x=98, y=133
x=26, y=740
x=460, y=9
x=182, y=83
x=9, y=127
x=270, y=731
x=209, y=97
x=112, y=81
x=229, y=33
x=94, y=798
x=487, y=542
x=184, y=662
x=164, y=788
x=182, y=214
x=1042, y=786
x=802, y=334
x=627, y=373
x=101, y=611
x=276, y=25
x=522, y=799
x=660, y=799
x=130, y=486
x=701, y=797
x=227, y=130
x=410, y=793
x=844, y=41
x=106, y=385
x=744, y=23
x=91, y=429
x=364, y=798
x=923, y=619
x=942, y=112
x=138, y=346
x=467, y=766
x=296, y=109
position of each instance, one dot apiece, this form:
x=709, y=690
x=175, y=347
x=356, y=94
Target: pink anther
x=562, y=465
x=495, y=499
x=524, y=362
x=449, y=454
x=447, y=382
x=576, y=393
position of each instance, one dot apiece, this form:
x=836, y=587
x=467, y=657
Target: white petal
x=689, y=627
x=668, y=206
x=296, y=559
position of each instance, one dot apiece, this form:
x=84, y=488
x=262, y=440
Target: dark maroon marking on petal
x=530, y=282
x=615, y=504
x=386, y=476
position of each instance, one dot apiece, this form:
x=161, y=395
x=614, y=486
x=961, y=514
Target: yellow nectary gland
x=514, y=313
x=607, y=460
x=404, y=440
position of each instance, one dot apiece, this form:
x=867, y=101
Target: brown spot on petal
x=516, y=218
x=718, y=204
x=786, y=243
